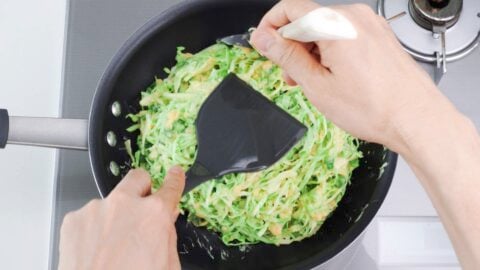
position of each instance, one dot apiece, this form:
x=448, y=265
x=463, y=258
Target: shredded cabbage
x=287, y=202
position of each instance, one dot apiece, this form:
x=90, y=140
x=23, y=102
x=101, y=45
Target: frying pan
x=196, y=25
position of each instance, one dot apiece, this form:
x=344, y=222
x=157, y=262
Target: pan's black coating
x=196, y=25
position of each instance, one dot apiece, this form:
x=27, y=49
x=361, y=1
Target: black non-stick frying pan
x=196, y=25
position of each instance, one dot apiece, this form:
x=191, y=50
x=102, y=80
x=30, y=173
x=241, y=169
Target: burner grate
x=435, y=31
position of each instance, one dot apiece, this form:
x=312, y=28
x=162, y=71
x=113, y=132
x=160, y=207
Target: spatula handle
x=320, y=24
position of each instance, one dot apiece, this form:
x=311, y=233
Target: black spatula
x=240, y=130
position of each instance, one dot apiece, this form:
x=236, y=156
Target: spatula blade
x=240, y=130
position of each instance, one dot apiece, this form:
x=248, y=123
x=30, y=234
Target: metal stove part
x=437, y=16
x=439, y=3
x=437, y=31
x=429, y=13
x=394, y=17
x=441, y=67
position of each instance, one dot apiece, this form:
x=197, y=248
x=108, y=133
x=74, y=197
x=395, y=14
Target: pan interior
x=196, y=25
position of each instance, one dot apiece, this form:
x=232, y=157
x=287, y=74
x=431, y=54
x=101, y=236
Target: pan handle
x=44, y=132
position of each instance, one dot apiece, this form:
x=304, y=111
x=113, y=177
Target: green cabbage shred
x=288, y=201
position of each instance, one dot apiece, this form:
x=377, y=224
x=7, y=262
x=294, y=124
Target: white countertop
x=31, y=52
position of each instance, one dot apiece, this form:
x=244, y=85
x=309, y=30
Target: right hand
x=368, y=86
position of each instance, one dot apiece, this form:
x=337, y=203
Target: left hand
x=130, y=229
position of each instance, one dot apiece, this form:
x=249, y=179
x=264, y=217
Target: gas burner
x=431, y=13
x=424, y=33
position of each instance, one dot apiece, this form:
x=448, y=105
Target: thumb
x=136, y=182
x=293, y=57
x=171, y=190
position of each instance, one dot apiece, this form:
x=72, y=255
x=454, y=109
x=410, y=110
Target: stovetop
x=406, y=233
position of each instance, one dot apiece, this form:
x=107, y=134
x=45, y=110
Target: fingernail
x=262, y=40
x=176, y=170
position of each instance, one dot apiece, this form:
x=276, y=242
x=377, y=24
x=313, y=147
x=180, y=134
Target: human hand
x=130, y=229
x=368, y=86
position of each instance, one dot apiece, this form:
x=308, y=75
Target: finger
x=173, y=259
x=172, y=188
x=136, y=182
x=288, y=54
x=293, y=57
x=286, y=11
x=288, y=79
x=281, y=14
x=315, y=50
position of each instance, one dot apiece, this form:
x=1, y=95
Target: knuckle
x=139, y=175
x=69, y=221
x=118, y=196
x=382, y=20
x=287, y=56
x=383, y=23
x=92, y=204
